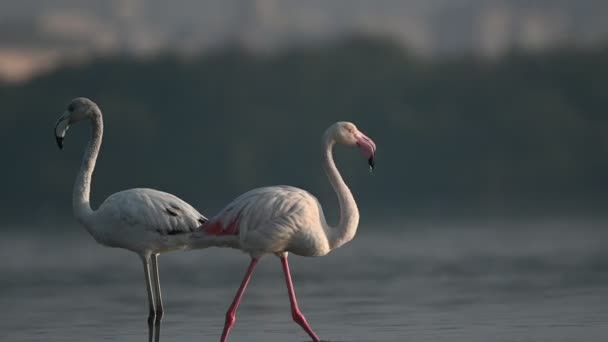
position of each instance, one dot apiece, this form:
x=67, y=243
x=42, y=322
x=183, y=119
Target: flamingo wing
x=153, y=210
x=261, y=208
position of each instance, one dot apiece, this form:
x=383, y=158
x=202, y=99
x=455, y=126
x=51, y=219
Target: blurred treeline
x=526, y=135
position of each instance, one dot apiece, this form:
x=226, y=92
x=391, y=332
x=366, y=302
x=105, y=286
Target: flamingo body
x=273, y=220
x=144, y=221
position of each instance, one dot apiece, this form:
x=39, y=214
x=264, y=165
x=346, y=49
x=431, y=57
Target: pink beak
x=368, y=148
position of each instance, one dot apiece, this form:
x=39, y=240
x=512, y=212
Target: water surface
x=488, y=282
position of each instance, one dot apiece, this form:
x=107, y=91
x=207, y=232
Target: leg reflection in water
x=154, y=331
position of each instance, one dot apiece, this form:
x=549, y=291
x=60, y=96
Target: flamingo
x=145, y=221
x=282, y=219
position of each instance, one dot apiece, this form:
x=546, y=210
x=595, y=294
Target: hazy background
x=479, y=108
x=485, y=219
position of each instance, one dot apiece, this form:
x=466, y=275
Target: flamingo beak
x=368, y=148
x=62, y=126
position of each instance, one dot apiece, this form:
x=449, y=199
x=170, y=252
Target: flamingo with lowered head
x=281, y=219
x=145, y=221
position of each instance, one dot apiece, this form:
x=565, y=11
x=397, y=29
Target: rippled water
x=413, y=283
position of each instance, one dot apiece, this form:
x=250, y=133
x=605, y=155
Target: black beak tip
x=59, y=142
x=372, y=163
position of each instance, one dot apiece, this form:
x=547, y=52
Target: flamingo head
x=79, y=109
x=346, y=133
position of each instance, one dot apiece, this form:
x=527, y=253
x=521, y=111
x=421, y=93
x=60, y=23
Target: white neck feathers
x=81, y=203
x=349, y=213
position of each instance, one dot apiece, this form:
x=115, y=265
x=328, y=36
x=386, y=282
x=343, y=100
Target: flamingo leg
x=154, y=331
x=231, y=313
x=158, y=297
x=296, y=314
x=152, y=314
x=157, y=332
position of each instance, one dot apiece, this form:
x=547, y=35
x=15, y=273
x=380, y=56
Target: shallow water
x=413, y=283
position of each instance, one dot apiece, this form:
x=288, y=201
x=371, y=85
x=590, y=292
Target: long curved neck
x=349, y=213
x=81, y=203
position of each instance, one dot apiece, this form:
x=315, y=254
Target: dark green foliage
x=525, y=135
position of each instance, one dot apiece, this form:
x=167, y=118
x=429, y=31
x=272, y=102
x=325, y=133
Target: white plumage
x=145, y=221
x=281, y=219
x=275, y=219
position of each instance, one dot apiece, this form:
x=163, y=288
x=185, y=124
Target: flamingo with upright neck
x=281, y=219
x=145, y=221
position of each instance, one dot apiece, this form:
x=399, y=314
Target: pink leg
x=296, y=314
x=231, y=314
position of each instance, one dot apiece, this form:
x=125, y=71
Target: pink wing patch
x=215, y=227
